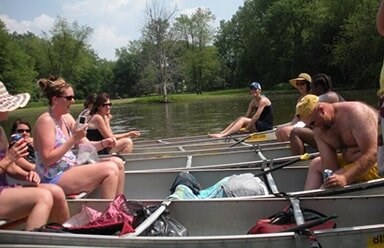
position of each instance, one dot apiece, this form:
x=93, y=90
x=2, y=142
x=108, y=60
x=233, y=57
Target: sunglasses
x=107, y=104
x=301, y=83
x=68, y=98
x=23, y=130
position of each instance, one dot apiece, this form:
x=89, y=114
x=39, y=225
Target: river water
x=201, y=117
x=193, y=117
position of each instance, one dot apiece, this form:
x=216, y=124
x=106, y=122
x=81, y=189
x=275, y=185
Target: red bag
x=116, y=219
x=285, y=221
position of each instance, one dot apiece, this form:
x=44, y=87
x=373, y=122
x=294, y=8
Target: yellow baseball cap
x=306, y=105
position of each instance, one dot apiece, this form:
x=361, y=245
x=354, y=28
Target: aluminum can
x=326, y=174
x=15, y=137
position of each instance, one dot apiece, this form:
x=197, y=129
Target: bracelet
x=102, y=145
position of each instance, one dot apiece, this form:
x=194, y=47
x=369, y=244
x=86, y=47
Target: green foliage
x=16, y=67
x=273, y=41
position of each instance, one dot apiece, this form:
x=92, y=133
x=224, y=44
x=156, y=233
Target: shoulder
x=96, y=119
x=44, y=118
x=68, y=118
x=265, y=101
x=353, y=108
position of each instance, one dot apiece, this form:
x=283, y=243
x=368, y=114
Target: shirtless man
x=346, y=127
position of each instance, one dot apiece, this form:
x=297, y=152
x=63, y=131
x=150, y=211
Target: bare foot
x=215, y=135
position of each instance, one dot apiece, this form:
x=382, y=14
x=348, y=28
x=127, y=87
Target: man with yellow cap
x=346, y=136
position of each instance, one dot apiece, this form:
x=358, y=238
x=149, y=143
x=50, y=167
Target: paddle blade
x=307, y=156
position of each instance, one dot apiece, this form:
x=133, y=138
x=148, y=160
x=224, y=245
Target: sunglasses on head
x=107, y=104
x=68, y=98
x=23, y=130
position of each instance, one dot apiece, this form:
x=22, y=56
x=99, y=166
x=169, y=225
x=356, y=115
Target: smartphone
x=82, y=119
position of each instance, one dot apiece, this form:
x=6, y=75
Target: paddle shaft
x=150, y=220
x=302, y=157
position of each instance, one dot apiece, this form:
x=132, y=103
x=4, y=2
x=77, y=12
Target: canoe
x=225, y=223
x=259, y=137
x=209, y=160
x=193, y=149
x=147, y=184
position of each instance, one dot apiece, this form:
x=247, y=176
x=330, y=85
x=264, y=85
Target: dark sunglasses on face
x=23, y=130
x=301, y=83
x=107, y=104
x=68, y=98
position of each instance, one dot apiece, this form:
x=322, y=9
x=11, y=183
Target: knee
x=111, y=169
x=56, y=191
x=118, y=162
x=316, y=164
x=294, y=135
x=44, y=196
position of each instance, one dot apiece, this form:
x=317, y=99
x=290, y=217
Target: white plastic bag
x=87, y=154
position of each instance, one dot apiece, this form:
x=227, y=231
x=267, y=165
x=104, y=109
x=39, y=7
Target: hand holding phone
x=81, y=121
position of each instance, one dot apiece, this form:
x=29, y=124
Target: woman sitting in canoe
x=40, y=203
x=259, y=116
x=99, y=127
x=56, y=132
x=303, y=85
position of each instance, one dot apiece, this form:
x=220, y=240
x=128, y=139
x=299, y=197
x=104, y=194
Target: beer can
x=15, y=137
x=327, y=173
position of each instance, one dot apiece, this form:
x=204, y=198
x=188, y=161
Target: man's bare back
x=353, y=127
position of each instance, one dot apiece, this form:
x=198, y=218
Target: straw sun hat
x=11, y=102
x=302, y=77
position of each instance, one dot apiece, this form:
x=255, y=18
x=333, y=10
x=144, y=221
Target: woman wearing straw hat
x=303, y=85
x=56, y=133
x=39, y=204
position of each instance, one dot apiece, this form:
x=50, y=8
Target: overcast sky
x=114, y=22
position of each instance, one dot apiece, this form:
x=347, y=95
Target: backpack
x=284, y=221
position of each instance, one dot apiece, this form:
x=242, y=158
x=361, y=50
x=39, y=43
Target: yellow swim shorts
x=372, y=173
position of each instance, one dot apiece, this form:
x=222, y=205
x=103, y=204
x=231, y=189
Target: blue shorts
x=54, y=180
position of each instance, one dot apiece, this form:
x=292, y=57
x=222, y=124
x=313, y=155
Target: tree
x=16, y=67
x=159, y=40
x=197, y=33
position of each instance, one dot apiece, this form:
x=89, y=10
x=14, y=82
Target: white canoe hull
x=212, y=160
x=148, y=184
x=195, y=149
x=224, y=223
